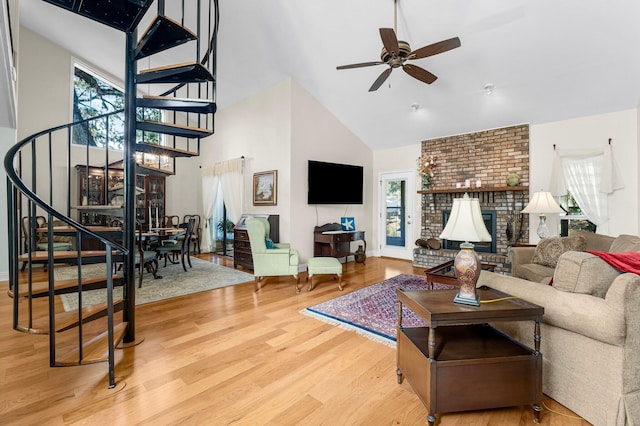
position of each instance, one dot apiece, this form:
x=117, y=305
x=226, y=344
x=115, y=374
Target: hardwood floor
x=232, y=356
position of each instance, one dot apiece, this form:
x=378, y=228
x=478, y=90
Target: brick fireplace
x=488, y=156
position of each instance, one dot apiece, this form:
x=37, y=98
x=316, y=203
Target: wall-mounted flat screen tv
x=331, y=183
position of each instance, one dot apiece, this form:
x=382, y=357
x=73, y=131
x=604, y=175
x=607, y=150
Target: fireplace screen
x=489, y=217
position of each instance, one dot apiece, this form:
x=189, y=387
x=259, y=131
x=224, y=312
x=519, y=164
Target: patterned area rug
x=175, y=282
x=372, y=311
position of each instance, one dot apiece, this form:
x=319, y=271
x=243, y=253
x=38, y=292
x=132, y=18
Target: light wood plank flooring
x=232, y=356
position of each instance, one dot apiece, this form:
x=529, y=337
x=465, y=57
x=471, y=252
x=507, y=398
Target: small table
x=459, y=362
x=445, y=273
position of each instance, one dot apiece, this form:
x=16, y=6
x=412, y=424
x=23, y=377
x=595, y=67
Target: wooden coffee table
x=444, y=273
x=459, y=362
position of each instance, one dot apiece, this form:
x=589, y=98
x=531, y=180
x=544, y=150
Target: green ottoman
x=324, y=266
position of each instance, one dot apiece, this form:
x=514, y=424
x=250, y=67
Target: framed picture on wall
x=265, y=188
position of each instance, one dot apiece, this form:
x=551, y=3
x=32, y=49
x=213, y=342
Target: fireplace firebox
x=489, y=217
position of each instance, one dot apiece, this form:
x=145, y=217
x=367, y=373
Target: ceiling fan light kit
x=397, y=53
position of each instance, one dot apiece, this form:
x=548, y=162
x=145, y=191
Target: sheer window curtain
x=227, y=175
x=589, y=176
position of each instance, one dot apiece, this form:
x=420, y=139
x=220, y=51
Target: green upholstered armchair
x=269, y=262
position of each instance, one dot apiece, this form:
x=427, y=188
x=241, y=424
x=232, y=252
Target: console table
x=331, y=241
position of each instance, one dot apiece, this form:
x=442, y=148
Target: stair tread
x=153, y=171
x=202, y=106
x=96, y=349
x=164, y=150
x=44, y=255
x=68, y=320
x=162, y=33
x=173, y=129
x=42, y=287
x=176, y=73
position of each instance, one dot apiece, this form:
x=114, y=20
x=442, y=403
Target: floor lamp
x=466, y=224
x=542, y=203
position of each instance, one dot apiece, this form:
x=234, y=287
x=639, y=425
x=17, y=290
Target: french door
x=396, y=214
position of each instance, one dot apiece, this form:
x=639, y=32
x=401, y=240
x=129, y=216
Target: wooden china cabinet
x=100, y=197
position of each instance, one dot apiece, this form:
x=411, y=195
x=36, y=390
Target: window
x=94, y=96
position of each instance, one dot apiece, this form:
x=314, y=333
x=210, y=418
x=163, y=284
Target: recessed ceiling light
x=488, y=88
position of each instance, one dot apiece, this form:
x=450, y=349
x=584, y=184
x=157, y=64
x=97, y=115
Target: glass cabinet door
x=155, y=191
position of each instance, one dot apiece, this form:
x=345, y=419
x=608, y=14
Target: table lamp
x=466, y=224
x=542, y=203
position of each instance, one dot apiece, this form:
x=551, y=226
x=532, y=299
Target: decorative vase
x=360, y=255
x=426, y=181
x=513, y=179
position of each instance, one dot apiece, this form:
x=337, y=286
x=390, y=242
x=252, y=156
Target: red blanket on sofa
x=627, y=261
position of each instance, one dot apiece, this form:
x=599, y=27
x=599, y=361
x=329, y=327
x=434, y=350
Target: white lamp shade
x=542, y=202
x=465, y=222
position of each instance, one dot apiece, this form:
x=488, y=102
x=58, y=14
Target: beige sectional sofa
x=590, y=331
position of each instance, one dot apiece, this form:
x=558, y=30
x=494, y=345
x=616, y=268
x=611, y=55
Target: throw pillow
x=269, y=243
x=548, y=250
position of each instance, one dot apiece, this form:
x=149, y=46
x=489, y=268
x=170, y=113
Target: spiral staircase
x=185, y=93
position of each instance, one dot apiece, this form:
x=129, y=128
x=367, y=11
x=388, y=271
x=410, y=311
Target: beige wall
x=7, y=139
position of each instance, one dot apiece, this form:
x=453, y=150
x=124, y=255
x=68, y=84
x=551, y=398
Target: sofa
x=590, y=330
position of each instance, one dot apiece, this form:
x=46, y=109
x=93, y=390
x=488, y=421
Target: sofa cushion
x=549, y=250
x=580, y=272
x=624, y=243
x=597, y=242
x=534, y=272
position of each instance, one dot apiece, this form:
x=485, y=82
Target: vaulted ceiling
x=548, y=60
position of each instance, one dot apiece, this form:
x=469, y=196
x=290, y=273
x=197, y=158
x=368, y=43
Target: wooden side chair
x=170, y=248
x=171, y=221
x=197, y=231
x=145, y=259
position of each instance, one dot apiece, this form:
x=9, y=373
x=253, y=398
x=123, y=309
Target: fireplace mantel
x=474, y=190
x=488, y=191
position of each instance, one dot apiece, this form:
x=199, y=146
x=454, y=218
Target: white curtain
x=589, y=176
x=210, y=186
x=229, y=176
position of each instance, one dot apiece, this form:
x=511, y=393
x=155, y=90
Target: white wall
x=397, y=160
x=318, y=135
x=7, y=139
x=258, y=128
x=585, y=133
x=281, y=129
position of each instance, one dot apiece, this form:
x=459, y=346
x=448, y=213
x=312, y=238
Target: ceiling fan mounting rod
x=395, y=16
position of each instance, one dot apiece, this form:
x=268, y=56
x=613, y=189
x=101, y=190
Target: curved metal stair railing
x=25, y=199
x=45, y=189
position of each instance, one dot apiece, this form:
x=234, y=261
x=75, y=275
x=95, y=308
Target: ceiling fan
x=396, y=54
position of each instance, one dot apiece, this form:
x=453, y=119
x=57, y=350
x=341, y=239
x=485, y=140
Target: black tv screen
x=331, y=183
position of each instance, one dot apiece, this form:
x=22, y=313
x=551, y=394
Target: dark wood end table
x=445, y=273
x=459, y=362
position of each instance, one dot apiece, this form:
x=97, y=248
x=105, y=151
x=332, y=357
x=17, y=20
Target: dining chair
x=170, y=248
x=197, y=231
x=145, y=259
x=171, y=221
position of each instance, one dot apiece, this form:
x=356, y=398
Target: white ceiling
x=549, y=60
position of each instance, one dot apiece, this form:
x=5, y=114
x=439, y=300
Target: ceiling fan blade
x=419, y=73
x=389, y=40
x=363, y=64
x=435, y=48
x=381, y=79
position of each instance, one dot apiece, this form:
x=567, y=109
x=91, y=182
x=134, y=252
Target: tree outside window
x=94, y=96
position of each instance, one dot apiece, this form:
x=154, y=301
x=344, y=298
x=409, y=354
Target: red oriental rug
x=372, y=311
